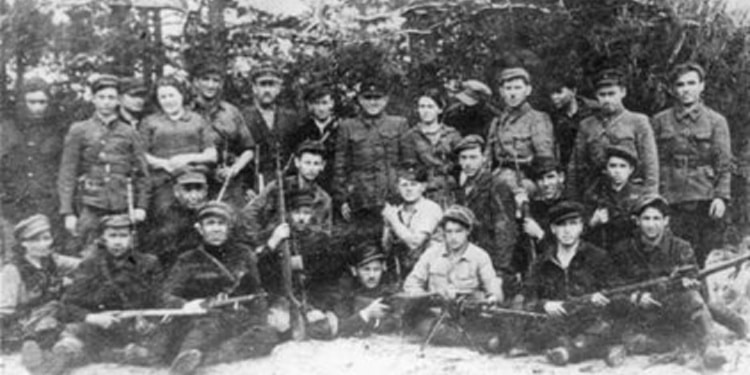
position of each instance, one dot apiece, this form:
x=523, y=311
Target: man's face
x=105, y=101
x=568, y=232
x=652, y=223
x=37, y=103
x=301, y=217
x=551, y=184
x=610, y=98
x=428, y=110
x=170, y=99
x=471, y=161
x=38, y=246
x=689, y=88
x=456, y=235
x=214, y=230
x=208, y=85
x=373, y=105
x=117, y=241
x=191, y=196
x=266, y=90
x=309, y=165
x=370, y=274
x=619, y=170
x=133, y=103
x=410, y=190
x=562, y=97
x=322, y=108
x=514, y=92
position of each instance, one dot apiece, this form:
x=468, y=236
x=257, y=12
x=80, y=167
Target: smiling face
x=370, y=274
x=689, y=86
x=515, y=92
x=208, y=85
x=652, y=223
x=322, y=108
x=170, y=99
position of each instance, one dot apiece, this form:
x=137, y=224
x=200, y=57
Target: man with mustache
x=133, y=93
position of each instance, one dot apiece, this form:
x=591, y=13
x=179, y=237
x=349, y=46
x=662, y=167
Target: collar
x=111, y=123
x=461, y=255
x=520, y=110
x=693, y=112
x=661, y=244
x=550, y=253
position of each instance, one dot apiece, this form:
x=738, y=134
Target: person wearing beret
x=133, y=92
x=655, y=318
x=471, y=112
x=695, y=159
x=101, y=157
x=570, y=267
x=520, y=133
x=234, y=142
x=613, y=124
x=270, y=123
x=116, y=277
x=610, y=199
x=221, y=265
x=32, y=282
x=368, y=149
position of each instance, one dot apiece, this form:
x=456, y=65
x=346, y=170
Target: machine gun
x=166, y=313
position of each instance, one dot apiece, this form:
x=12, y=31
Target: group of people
x=205, y=233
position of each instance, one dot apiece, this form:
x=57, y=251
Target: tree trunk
x=216, y=23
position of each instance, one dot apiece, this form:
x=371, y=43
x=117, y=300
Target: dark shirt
x=310, y=131
x=353, y=298
x=566, y=127
x=232, y=136
x=270, y=138
x=637, y=260
x=470, y=120
x=619, y=205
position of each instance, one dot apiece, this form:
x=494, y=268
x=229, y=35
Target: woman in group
x=430, y=143
x=175, y=138
x=32, y=283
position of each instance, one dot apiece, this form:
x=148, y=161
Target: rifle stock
x=208, y=305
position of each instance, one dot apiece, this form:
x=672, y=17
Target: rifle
x=207, y=305
x=259, y=183
x=522, y=212
x=296, y=306
x=131, y=210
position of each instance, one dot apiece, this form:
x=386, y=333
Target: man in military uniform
x=219, y=266
x=491, y=200
x=609, y=200
x=368, y=148
x=695, y=156
x=612, y=125
x=133, y=93
x=653, y=317
x=270, y=124
x=234, y=141
x=30, y=149
x=101, y=157
x=570, y=110
x=115, y=278
x=472, y=112
x=520, y=133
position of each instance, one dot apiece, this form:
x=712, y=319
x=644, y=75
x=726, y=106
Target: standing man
x=520, y=133
x=695, y=155
x=233, y=140
x=472, y=113
x=570, y=110
x=101, y=156
x=269, y=123
x=368, y=149
x=133, y=93
x=612, y=125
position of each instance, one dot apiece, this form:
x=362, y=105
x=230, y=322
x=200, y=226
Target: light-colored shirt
x=422, y=218
x=13, y=292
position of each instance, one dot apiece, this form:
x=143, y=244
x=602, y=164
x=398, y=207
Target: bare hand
x=139, y=215
x=71, y=224
x=376, y=310
x=390, y=213
x=600, y=216
x=689, y=283
x=555, y=308
x=645, y=300
x=281, y=233
x=532, y=228
x=195, y=306
x=103, y=320
x=717, y=209
x=346, y=211
x=599, y=299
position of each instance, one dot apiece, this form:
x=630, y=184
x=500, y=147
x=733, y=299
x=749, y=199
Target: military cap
x=105, y=81
x=622, y=153
x=412, y=171
x=367, y=252
x=459, y=214
x=609, y=77
x=468, y=142
x=565, y=210
x=318, y=91
x=650, y=200
x=216, y=209
x=132, y=86
x=311, y=146
x=204, y=68
x=513, y=73
x=681, y=69
x=191, y=175
x=299, y=198
x=266, y=70
x=31, y=226
x=35, y=84
x=373, y=88
x=115, y=221
x=473, y=92
x=541, y=165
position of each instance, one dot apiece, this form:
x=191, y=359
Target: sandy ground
x=397, y=356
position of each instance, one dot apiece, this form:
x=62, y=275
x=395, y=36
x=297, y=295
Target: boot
x=33, y=358
x=713, y=359
x=186, y=362
x=615, y=356
x=729, y=319
x=558, y=356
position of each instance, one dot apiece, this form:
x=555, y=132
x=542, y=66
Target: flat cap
x=684, y=68
x=650, y=200
x=367, y=252
x=266, y=71
x=541, y=165
x=31, y=226
x=105, y=81
x=204, y=68
x=372, y=87
x=318, y=91
x=459, y=214
x=473, y=92
x=132, y=86
x=468, y=142
x=622, y=152
x=216, y=209
x=565, y=210
x=191, y=175
x=513, y=73
x=412, y=171
x=35, y=84
x=311, y=146
x=609, y=77
x=115, y=221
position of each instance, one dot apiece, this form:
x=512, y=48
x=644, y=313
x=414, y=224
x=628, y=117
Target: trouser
x=41, y=324
x=443, y=329
x=691, y=222
x=586, y=333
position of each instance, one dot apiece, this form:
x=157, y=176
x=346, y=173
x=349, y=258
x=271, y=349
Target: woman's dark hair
x=435, y=94
x=175, y=82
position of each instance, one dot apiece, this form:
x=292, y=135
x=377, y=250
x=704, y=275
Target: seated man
x=455, y=268
x=410, y=225
x=568, y=268
x=218, y=267
x=656, y=317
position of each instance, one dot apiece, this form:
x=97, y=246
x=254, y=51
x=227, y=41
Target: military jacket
x=618, y=204
x=437, y=157
x=521, y=133
x=270, y=138
x=353, y=298
x=638, y=261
